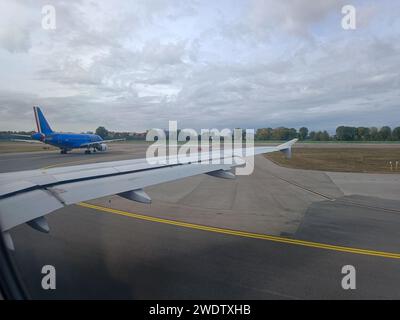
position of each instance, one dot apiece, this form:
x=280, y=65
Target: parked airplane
x=65, y=141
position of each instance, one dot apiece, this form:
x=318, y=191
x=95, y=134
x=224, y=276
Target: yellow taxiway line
x=245, y=234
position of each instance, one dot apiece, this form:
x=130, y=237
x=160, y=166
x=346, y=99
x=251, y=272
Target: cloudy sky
x=134, y=65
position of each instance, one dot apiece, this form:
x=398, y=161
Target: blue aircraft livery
x=66, y=141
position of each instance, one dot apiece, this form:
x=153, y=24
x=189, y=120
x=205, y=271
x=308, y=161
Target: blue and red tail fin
x=41, y=122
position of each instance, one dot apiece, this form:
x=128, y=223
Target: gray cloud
x=15, y=24
x=292, y=16
x=262, y=63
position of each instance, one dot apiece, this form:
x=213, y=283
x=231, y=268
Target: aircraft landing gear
x=87, y=151
x=63, y=151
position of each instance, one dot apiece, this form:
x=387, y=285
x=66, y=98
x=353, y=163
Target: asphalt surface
x=99, y=252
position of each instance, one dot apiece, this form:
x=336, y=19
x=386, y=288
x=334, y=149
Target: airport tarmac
x=277, y=234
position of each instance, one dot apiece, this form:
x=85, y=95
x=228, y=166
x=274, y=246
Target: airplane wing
x=27, y=196
x=26, y=140
x=91, y=144
x=21, y=135
x=113, y=140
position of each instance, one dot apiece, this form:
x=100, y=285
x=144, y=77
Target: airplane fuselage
x=67, y=141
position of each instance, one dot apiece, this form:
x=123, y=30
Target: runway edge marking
x=245, y=234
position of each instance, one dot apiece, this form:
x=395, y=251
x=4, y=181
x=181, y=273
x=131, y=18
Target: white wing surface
x=27, y=196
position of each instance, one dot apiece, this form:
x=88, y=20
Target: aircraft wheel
x=87, y=151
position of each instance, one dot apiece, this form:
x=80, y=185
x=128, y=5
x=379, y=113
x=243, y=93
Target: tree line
x=343, y=133
x=105, y=134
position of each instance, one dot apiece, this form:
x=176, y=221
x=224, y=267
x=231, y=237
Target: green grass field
x=371, y=160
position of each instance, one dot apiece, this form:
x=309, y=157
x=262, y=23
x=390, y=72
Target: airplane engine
x=102, y=147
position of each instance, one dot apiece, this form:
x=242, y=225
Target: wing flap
x=15, y=187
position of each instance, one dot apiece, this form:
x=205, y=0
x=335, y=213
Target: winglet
x=286, y=148
x=287, y=144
